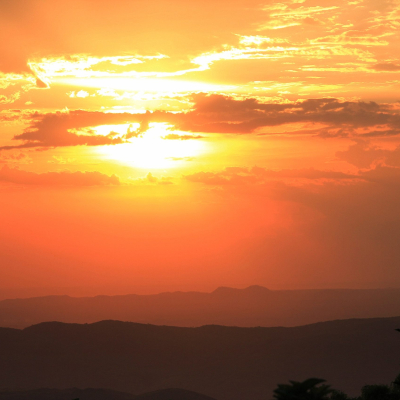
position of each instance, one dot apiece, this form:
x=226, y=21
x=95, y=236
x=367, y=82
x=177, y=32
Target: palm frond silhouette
x=310, y=389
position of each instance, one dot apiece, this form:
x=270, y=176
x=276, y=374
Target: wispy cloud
x=62, y=178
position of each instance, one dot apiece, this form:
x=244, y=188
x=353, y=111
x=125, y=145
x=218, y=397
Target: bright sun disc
x=150, y=150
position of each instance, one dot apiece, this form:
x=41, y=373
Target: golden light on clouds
x=222, y=116
x=144, y=85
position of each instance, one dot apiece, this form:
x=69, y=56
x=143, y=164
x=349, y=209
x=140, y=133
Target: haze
x=186, y=145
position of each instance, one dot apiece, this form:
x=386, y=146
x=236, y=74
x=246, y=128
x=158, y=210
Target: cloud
x=63, y=178
x=305, y=51
x=41, y=84
x=15, y=158
x=285, y=15
x=81, y=93
x=352, y=38
x=143, y=127
x=61, y=160
x=387, y=67
x=384, y=174
x=224, y=114
x=362, y=154
x=181, y=158
x=258, y=175
x=11, y=79
x=151, y=179
x=28, y=30
x=61, y=129
x=311, y=21
x=69, y=128
x=175, y=136
x=9, y=99
x=214, y=114
x=14, y=85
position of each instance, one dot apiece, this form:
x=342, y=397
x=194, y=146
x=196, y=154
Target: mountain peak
x=249, y=289
x=256, y=288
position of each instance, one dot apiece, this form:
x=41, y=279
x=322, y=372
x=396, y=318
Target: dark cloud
x=214, y=114
x=383, y=175
x=223, y=114
x=63, y=178
x=381, y=133
x=61, y=129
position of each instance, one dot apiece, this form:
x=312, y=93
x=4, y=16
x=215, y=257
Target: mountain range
x=253, y=306
x=225, y=363
x=100, y=394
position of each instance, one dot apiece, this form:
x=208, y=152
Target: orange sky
x=184, y=145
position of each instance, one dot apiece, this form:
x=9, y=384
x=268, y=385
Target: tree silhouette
x=396, y=383
x=310, y=389
x=339, y=395
x=377, y=392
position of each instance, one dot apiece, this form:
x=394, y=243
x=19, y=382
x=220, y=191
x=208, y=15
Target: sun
x=150, y=150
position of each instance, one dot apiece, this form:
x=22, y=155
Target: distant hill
x=254, y=306
x=67, y=394
x=226, y=363
x=100, y=394
x=172, y=394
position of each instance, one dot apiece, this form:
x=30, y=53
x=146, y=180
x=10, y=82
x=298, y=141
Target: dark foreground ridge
x=101, y=394
x=253, y=306
x=225, y=363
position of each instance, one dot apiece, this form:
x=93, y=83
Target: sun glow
x=150, y=149
x=141, y=84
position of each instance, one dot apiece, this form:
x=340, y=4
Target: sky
x=156, y=145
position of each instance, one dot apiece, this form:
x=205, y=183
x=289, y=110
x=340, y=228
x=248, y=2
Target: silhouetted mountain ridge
x=250, y=289
x=226, y=363
x=172, y=394
x=101, y=394
x=253, y=306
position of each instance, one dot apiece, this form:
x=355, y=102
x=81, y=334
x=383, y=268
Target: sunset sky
x=156, y=145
